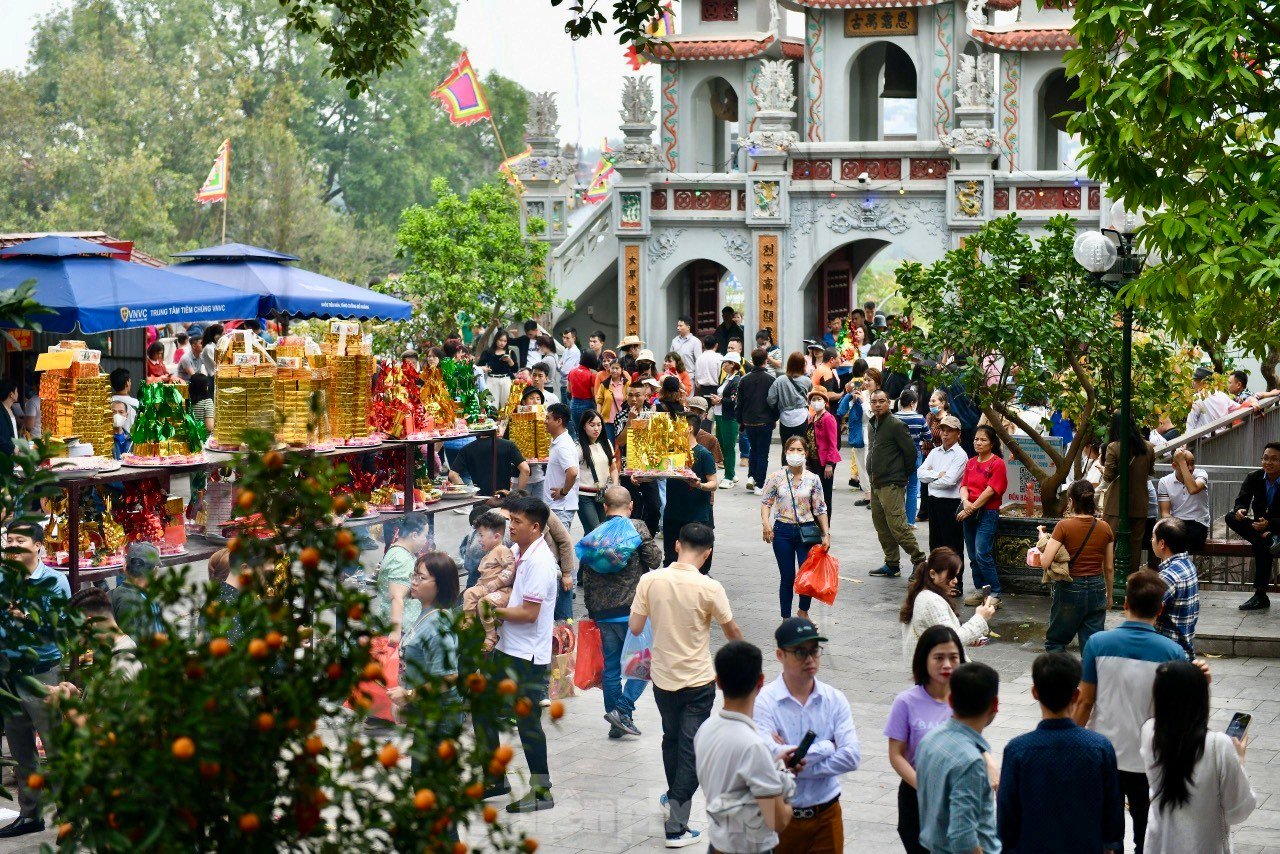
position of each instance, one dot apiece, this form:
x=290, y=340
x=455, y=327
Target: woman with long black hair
x=1198, y=784
x=597, y=468
x=499, y=362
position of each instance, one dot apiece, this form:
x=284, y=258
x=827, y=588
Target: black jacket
x=610, y=595
x=891, y=452
x=1252, y=499
x=522, y=345
x=753, y=399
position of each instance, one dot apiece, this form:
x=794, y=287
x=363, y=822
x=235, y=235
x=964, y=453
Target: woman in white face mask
x=793, y=513
x=822, y=442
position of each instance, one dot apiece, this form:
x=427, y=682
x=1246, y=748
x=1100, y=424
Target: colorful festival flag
x=507, y=168
x=659, y=28
x=462, y=95
x=598, y=187
x=215, y=186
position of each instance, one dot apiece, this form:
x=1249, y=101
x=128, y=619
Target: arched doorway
x=715, y=125
x=882, y=94
x=1057, y=147
x=698, y=290
x=832, y=288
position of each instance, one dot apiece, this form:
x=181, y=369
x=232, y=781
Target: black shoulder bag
x=810, y=532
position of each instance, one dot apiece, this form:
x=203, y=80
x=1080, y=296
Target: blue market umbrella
x=285, y=289
x=89, y=289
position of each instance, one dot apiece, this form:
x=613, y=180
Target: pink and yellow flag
x=598, y=188
x=462, y=95
x=507, y=168
x=215, y=186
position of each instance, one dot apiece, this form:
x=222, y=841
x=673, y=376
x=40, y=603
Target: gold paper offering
x=527, y=429
x=75, y=398
x=657, y=443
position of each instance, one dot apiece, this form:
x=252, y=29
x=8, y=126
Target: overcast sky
x=499, y=35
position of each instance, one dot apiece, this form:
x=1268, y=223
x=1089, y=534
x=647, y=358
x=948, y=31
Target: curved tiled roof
x=720, y=48
x=1053, y=38
x=864, y=4
x=1004, y=5
x=792, y=50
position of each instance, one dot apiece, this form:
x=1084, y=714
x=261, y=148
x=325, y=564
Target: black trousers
x=648, y=505
x=946, y=530
x=683, y=712
x=532, y=680
x=1133, y=785
x=1261, y=542
x=671, y=535
x=909, y=819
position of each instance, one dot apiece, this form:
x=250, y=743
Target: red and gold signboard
x=20, y=340
x=860, y=23
x=631, y=282
x=767, y=282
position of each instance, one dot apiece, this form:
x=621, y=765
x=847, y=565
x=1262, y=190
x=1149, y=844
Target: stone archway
x=716, y=112
x=883, y=87
x=832, y=287
x=697, y=289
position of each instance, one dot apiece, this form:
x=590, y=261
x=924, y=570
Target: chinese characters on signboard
x=631, y=282
x=767, y=282
x=879, y=22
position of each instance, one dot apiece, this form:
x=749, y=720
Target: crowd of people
x=1124, y=722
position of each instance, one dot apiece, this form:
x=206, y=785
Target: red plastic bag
x=373, y=694
x=819, y=575
x=589, y=670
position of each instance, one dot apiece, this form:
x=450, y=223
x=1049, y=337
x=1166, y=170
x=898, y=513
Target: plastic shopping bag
x=637, y=654
x=373, y=694
x=819, y=575
x=589, y=670
x=609, y=547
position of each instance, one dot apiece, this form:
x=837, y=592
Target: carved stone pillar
x=547, y=176
x=637, y=160
x=973, y=143
x=768, y=147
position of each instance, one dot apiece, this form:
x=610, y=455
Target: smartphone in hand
x=1239, y=725
x=802, y=749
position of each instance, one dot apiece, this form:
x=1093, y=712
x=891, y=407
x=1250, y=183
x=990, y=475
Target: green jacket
x=135, y=612
x=891, y=453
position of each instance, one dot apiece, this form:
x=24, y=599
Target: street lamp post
x=1113, y=258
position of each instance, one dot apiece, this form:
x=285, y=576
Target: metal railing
x=1218, y=570
x=1235, y=439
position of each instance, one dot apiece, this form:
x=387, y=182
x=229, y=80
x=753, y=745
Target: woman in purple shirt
x=915, y=713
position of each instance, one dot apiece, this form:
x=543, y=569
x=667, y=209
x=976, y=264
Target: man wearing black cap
x=790, y=706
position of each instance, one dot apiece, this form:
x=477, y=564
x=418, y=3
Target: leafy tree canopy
x=116, y=119
x=466, y=256
x=1181, y=116
x=1038, y=332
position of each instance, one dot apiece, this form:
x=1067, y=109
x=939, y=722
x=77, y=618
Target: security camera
x=863, y=178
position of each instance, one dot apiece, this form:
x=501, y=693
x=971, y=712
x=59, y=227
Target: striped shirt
x=915, y=425
x=1177, y=619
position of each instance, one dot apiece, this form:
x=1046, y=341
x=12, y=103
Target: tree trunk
x=1268, y=368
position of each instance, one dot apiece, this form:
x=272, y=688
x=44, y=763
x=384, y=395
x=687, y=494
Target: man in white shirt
x=706, y=370
x=1184, y=494
x=686, y=343
x=747, y=789
x=538, y=376
x=190, y=364
x=524, y=647
x=1209, y=404
x=562, y=465
x=943, y=470
x=680, y=603
x=570, y=357
x=790, y=706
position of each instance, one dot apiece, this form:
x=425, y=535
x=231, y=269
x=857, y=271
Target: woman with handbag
x=1079, y=606
x=793, y=514
x=822, y=444
x=597, y=469
x=611, y=394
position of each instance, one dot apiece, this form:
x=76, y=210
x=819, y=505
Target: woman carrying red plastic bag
x=793, y=512
x=820, y=576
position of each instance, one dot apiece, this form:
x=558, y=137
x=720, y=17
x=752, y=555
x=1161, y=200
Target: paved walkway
x=607, y=791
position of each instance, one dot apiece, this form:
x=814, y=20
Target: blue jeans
x=979, y=542
x=1079, y=609
x=790, y=553
x=576, y=408
x=744, y=445
x=617, y=694
x=758, y=460
x=913, y=491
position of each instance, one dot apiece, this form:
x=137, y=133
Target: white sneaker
x=726, y=484
x=751, y=484
x=689, y=837
x=759, y=490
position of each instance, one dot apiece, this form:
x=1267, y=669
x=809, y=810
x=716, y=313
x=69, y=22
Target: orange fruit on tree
x=246, y=578
x=503, y=753
x=194, y=670
x=351, y=553
x=507, y=687
x=245, y=500
x=159, y=639
x=460, y=847
x=355, y=612
x=64, y=831
x=35, y=781
x=524, y=706
x=439, y=825
x=209, y=770
x=341, y=504
x=235, y=544
x=343, y=538
x=424, y=800
x=372, y=671
x=274, y=639
x=447, y=750
x=183, y=748
x=249, y=823
x=334, y=671
x=309, y=558
x=475, y=791
x=476, y=683
x=530, y=844
x=496, y=768
x=389, y=756
x=490, y=814
x=556, y=710
x=265, y=722
x=273, y=460
x=292, y=724
x=314, y=745
x=219, y=647
x=258, y=648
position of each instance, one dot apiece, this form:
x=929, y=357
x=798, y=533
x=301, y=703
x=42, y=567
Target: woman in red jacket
x=582, y=389
x=821, y=442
